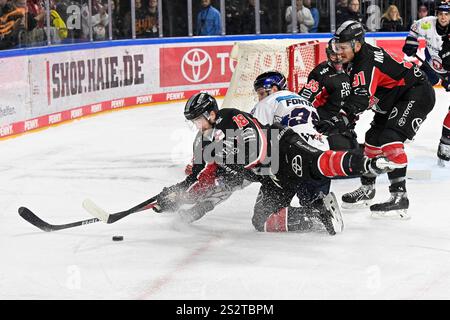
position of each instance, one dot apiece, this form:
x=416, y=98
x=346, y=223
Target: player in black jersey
x=328, y=85
x=401, y=97
x=239, y=148
x=444, y=144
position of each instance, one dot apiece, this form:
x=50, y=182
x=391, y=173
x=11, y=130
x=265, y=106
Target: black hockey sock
x=368, y=180
x=397, y=185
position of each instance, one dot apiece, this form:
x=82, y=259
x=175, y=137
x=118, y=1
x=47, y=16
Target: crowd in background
x=24, y=22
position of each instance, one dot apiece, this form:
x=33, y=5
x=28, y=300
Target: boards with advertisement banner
x=44, y=89
x=14, y=93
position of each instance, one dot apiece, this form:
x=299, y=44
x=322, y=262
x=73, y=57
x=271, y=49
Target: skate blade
x=332, y=205
x=357, y=205
x=441, y=163
x=401, y=214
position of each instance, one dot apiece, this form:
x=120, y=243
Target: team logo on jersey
x=297, y=165
x=416, y=123
x=425, y=25
x=437, y=63
x=393, y=113
x=417, y=72
x=196, y=65
x=373, y=104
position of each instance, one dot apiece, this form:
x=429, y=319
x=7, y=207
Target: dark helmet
x=333, y=59
x=269, y=79
x=200, y=104
x=443, y=6
x=329, y=49
x=350, y=31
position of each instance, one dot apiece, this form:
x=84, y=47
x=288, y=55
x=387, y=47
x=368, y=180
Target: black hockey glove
x=380, y=165
x=410, y=47
x=336, y=124
x=168, y=199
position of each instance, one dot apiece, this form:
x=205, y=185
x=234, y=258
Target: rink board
x=46, y=86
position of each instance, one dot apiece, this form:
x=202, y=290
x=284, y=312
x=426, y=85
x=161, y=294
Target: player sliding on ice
x=232, y=146
x=401, y=97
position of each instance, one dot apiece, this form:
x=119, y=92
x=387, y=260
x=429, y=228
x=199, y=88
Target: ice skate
x=360, y=198
x=328, y=212
x=394, y=208
x=443, y=153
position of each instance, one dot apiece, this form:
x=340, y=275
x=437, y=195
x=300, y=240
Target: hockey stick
x=106, y=217
x=426, y=65
x=32, y=218
x=29, y=216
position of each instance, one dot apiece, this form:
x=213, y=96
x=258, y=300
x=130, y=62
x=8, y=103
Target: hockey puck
x=117, y=238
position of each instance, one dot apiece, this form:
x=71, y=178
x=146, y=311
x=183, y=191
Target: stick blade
x=95, y=210
x=30, y=217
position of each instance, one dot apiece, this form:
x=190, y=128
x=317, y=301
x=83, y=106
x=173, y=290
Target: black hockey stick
x=104, y=216
x=32, y=218
x=426, y=65
x=29, y=216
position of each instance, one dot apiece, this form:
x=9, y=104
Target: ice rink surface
x=122, y=158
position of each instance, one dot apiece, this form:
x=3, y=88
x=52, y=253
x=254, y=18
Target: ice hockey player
x=275, y=156
x=279, y=105
x=328, y=85
x=434, y=29
x=401, y=97
x=444, y=145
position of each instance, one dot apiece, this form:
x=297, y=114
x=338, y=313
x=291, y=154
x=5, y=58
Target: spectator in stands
x=8, y=23
x=391, y=20
x=248, y=19
x=341, y=7
x=232, y=17
x=305, y=19
x=36, y=9
x=352, y=13
x=118, y=21
x=312, y=6
x=146, y=24
x=99, y=20
x=208, y=20
x=26, y=24
x=422, y=12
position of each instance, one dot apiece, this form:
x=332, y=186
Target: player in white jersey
x=435, y=30
x=276, y=104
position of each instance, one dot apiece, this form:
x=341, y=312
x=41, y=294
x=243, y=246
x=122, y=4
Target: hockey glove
x=381, y=165
x=336, y=124
x=410, y=47
x=168, y=199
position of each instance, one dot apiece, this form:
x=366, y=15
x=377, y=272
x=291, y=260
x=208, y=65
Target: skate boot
x=360, y=198
x=395, y=208
x=327, y=211
x=443, y=152
x=397, y=205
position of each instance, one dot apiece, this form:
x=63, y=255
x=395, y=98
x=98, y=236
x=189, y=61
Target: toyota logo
x=416, y=124
x=297, y=165
x=196, y=65
x=393, y=114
